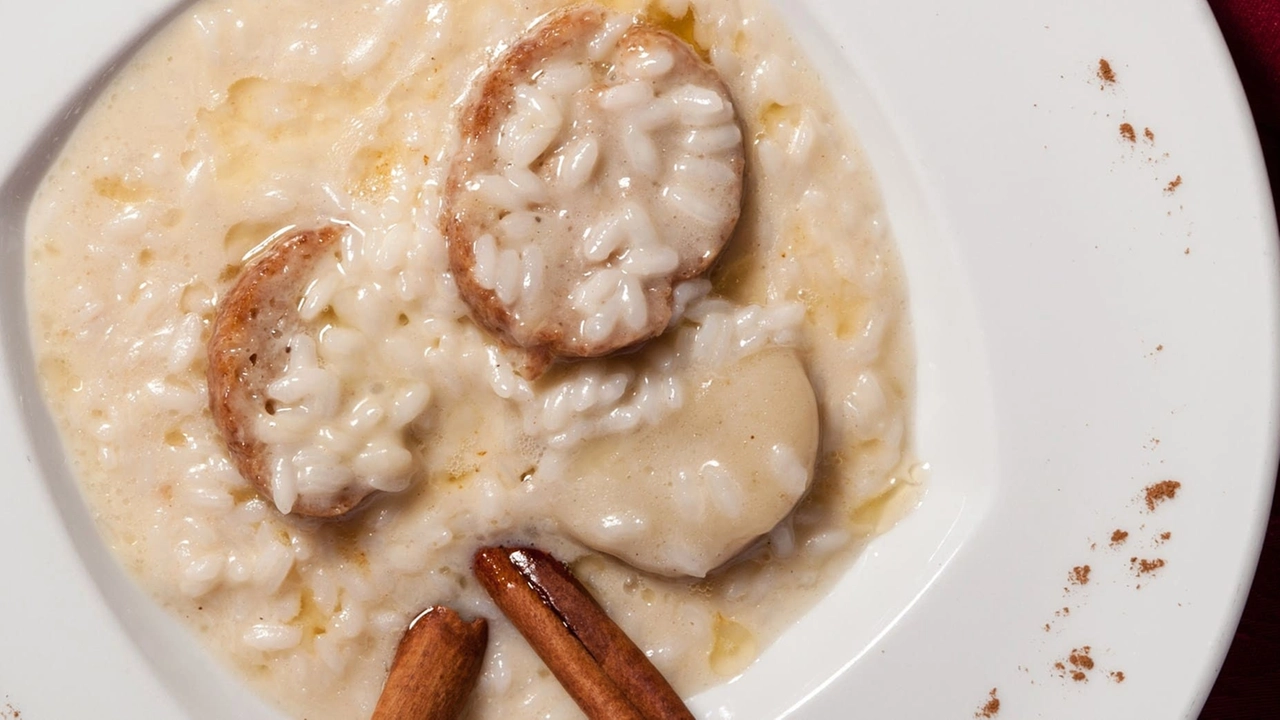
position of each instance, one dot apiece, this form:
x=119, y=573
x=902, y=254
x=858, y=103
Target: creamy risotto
x=707, y=486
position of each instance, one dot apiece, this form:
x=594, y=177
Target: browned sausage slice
x=601, y=165
x=285, y=416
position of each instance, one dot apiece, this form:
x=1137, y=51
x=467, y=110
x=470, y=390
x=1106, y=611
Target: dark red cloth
x=1249, y=686
x=1252, y=31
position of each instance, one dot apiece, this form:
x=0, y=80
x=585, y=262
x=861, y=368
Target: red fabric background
x=1249, y=686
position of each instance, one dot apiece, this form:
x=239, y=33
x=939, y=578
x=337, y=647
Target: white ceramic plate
x=1083, y=332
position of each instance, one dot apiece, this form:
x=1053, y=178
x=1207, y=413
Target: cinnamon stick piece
x=602, y=669
x=435, y=669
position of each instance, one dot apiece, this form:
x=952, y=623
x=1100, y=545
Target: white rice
x=708, y=141
x=576, y=164
x=483, y=443
x=625, y=254
x=648, y=65
x=626, y=96
x=273, y=637
x=603, y=45
x=693, y=204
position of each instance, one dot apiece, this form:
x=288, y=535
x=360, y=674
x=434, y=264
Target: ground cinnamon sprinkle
x=1118, y=537
x=1080, y=658
x=1118, y=676
x=991, y=708
x=1164, y=537
x=1080, y=575
x=1128, y=133
x=1161, y=491
x=1145, y=567
x=1081, y=663
x=1105, y=73
x=1150, y=136
x=1173, y=184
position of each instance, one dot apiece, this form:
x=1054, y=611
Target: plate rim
x=1265, y=489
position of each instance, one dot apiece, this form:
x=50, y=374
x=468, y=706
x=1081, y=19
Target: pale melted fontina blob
x=243, y=119
x=632, y=499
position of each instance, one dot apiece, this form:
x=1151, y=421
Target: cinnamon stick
x=603, y=670
x=435, y=668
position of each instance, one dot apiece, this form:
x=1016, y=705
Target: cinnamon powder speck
x=991, y=708
x=1105, y=73
x=1080, y=662
x=1161, y=491
x=1173, y=184
x=1080, y=658
x=1150, y=136
x=1128, y=133
x=1141, y=566
x=1077, y=666
x=1117, y=676
x=1080, y=575
x=1118, y=537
